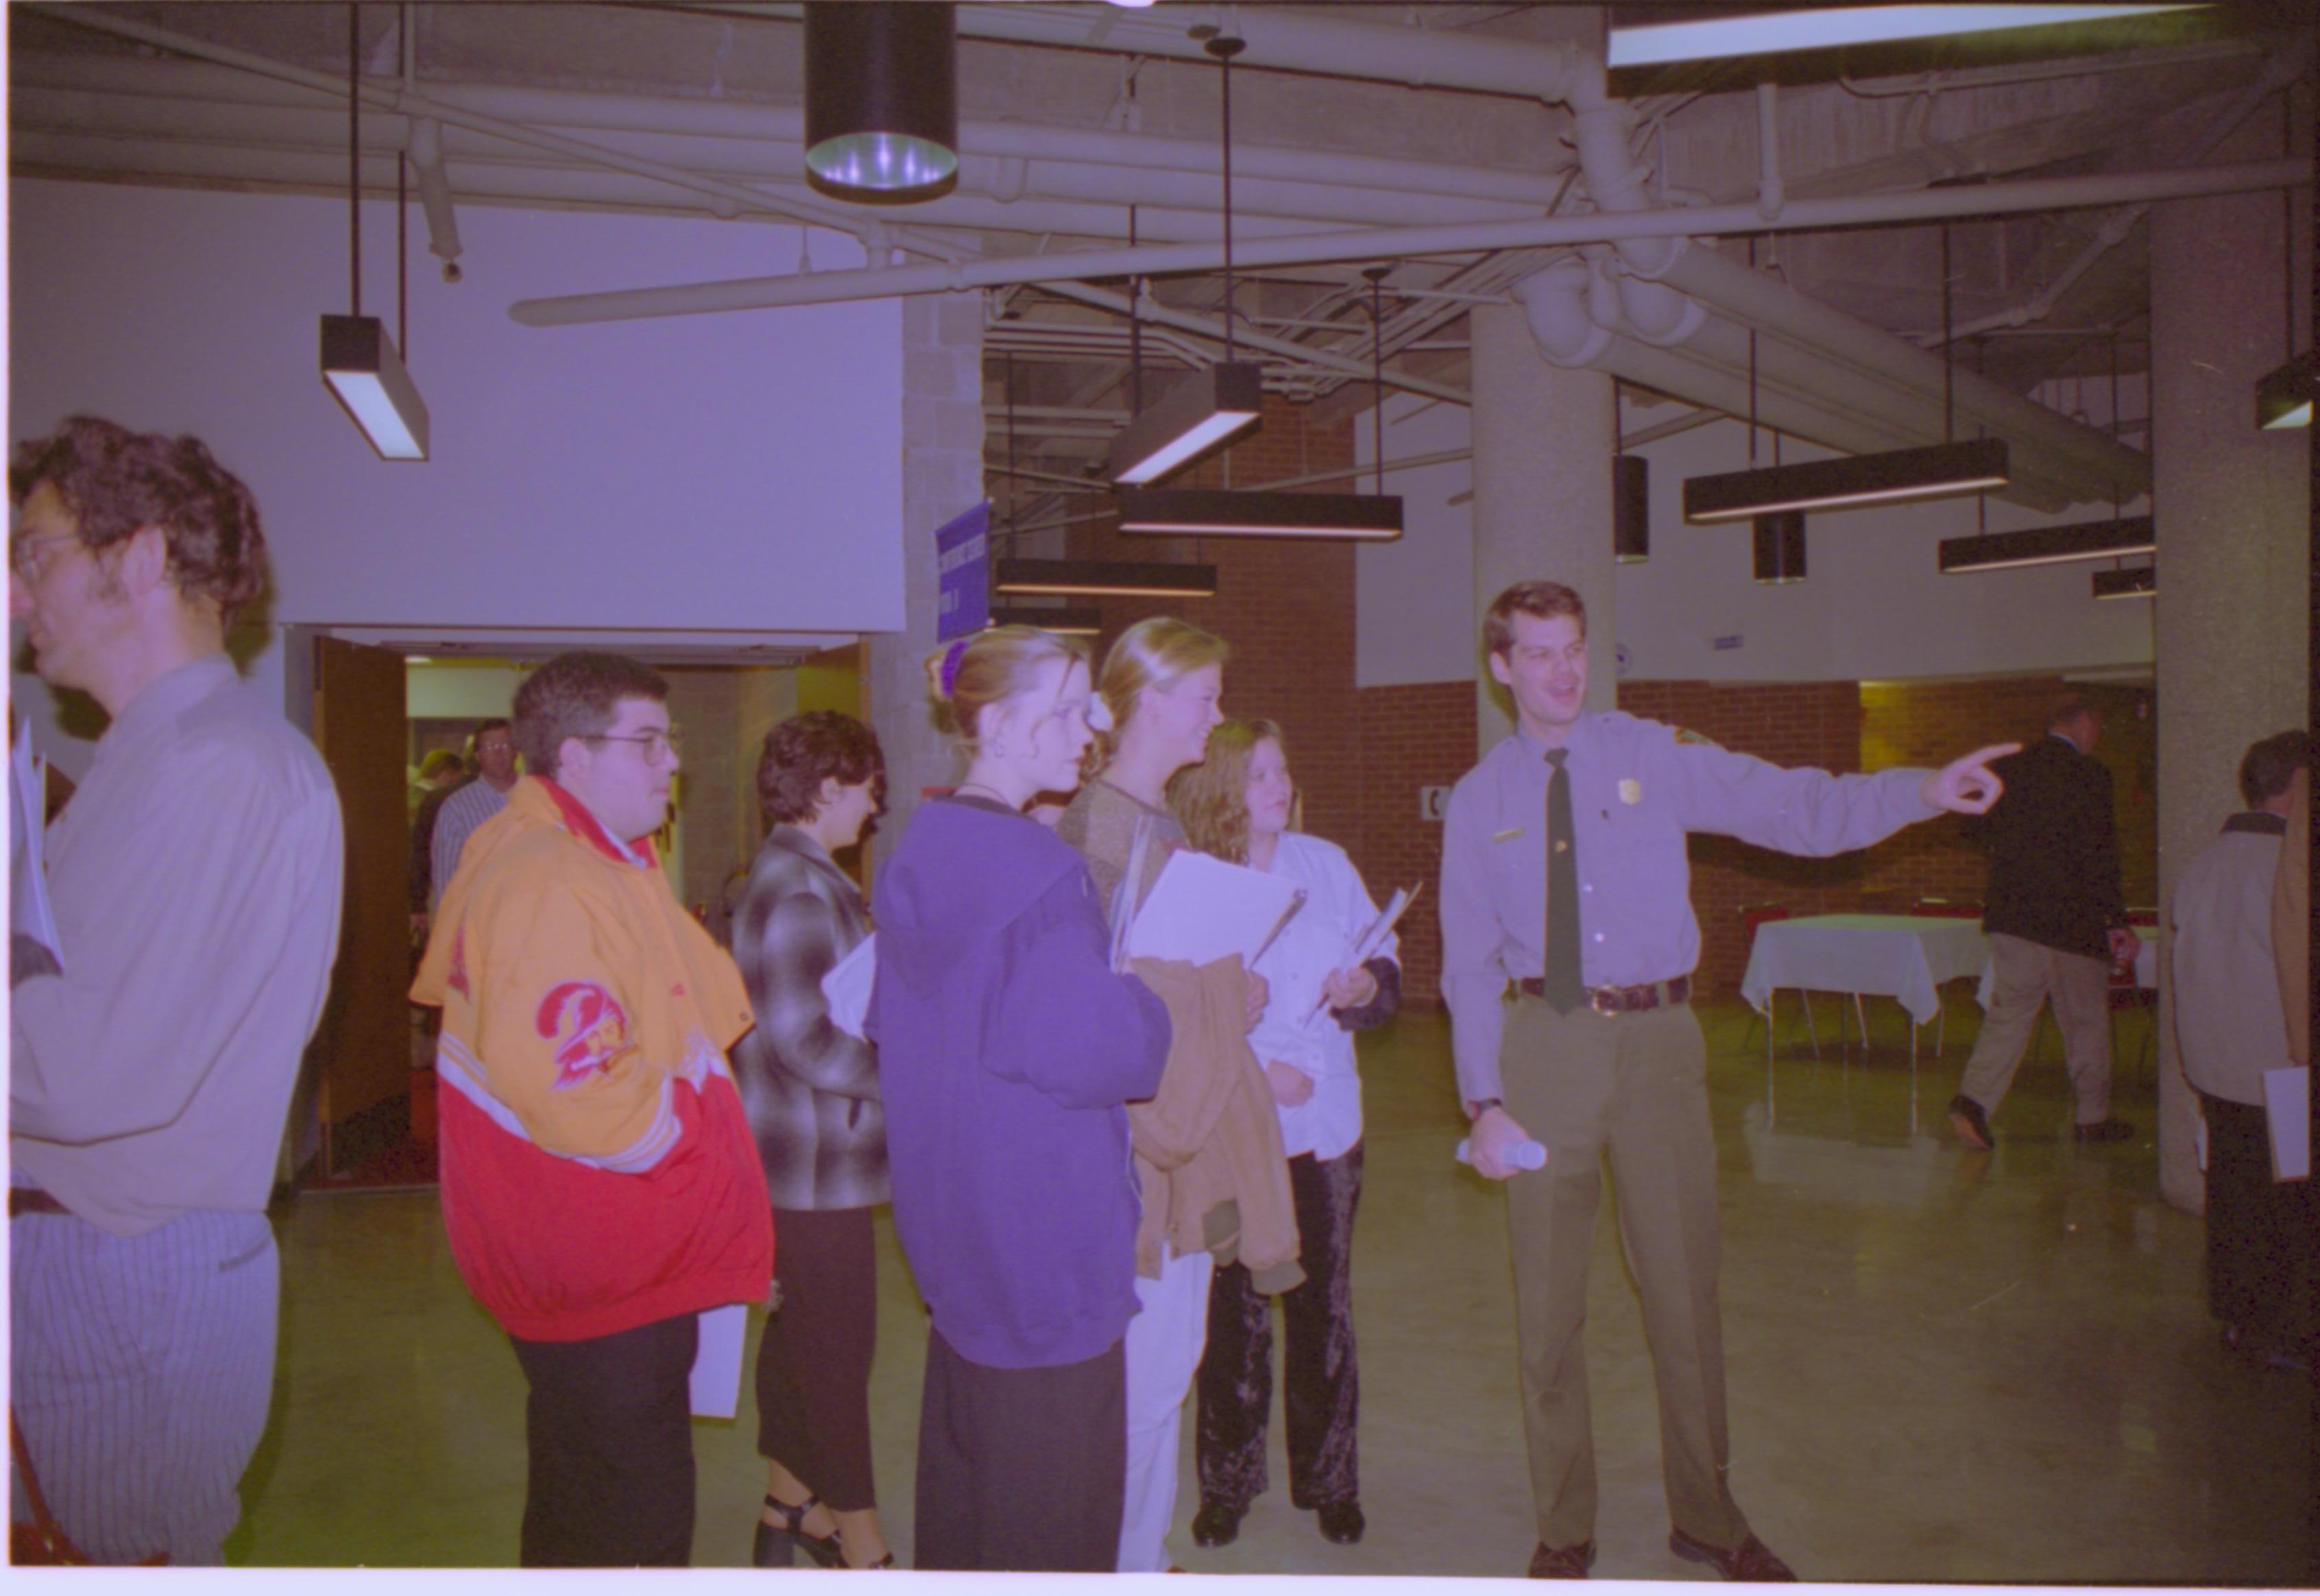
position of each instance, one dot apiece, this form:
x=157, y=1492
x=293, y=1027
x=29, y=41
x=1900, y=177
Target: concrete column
x=1543, y=442
x=2233, y=508
x=942, y=476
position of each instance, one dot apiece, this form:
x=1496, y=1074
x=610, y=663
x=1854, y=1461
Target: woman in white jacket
x=1238, y=806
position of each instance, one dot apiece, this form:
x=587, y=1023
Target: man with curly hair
x=195, y=878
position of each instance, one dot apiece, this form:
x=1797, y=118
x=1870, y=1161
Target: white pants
x=1164, y=1342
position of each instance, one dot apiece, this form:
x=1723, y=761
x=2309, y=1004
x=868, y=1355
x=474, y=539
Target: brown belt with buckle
x=1622, y=1000
x=32, y=1200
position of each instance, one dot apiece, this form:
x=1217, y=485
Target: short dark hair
x=577, y=696
x=495, y=724
x=805, y=750
x=2270, y=764
x=115, y=483
x=1541, y=601
x=2069, y=709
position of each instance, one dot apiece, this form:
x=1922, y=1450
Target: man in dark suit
x=2056, y=921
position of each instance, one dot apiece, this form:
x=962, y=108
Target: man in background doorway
x=2056, y=921
x=476, y=803
x=196, y=880
x=441, y=773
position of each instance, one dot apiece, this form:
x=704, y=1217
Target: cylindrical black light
x=881, y=100
x=1631, y=509
x=1780, y=546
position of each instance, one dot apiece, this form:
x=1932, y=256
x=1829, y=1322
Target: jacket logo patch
x=589, y=1027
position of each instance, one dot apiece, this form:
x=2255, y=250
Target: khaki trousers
x=1633, y=1086
x=2023, y=976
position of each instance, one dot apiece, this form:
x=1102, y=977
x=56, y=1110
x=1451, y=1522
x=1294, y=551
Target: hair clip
x=951, y=656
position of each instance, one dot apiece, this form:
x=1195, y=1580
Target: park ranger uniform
x=1609, y=1057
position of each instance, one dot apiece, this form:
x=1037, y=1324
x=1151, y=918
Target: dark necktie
x=1563, y=985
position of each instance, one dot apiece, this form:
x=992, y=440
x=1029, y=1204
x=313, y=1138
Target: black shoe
x=2103, y=1130
x=1971, y=1125
x=1216, y=1524
x=1342, y=1522
x=772, y=1549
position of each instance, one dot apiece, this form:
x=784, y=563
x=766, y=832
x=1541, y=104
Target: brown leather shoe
x=1563, y=1562
x=1750, y=1562
x=1971, y=1125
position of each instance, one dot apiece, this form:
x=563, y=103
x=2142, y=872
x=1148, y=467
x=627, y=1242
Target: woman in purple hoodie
x=1007, y=1048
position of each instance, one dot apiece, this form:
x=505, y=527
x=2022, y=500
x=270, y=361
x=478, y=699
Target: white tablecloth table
x=1904, y=956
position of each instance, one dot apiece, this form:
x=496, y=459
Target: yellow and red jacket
x=597, y=1169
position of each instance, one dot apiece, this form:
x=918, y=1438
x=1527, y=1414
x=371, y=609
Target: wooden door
x=364, y=1096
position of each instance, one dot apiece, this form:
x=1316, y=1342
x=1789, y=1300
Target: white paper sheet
x=717, y=1366
x=2288, y=1111
x=29, y=911
x=1202, y=909
x=846, y=987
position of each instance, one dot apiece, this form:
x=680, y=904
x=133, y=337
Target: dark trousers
x=2260, y=1241
x=1021, y=1469
x=1322, y=1379
x=813, y=1364
x=608, y=1431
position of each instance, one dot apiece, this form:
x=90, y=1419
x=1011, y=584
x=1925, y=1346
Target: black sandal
x=769, y=1550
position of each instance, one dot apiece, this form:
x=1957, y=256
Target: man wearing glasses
x=600, y=1184
x=194, y=881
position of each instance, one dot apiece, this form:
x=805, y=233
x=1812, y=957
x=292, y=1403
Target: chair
x=1753, y=915
x=1944, y=908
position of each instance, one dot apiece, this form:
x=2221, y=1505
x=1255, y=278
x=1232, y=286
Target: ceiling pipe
x=1919, y=206
x=435, y=195
x=585, y=113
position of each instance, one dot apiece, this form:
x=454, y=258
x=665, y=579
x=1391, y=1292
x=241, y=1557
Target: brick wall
x=1411, y=737
x=1286, y=606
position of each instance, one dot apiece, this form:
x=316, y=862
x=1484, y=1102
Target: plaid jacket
x=811, y=1091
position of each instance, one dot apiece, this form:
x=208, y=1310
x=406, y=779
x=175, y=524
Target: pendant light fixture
x=2135, y=582
x=360, y=365
x=1066, y=620
x=1779, y=548
x=1631, y=494
x=1197, y=418
x=1102, y=578
x=881, y=100
x=1220, y=511
x=1897, y=476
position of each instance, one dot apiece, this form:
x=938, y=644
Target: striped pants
x=139, y=1369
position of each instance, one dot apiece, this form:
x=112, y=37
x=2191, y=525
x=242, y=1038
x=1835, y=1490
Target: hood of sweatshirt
x=963, y=872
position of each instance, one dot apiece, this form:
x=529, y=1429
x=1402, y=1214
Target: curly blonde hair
x=1210, y=799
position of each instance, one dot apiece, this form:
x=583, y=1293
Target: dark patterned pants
x=1322, y=1385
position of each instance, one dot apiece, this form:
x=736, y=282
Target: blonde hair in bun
x=992, y=666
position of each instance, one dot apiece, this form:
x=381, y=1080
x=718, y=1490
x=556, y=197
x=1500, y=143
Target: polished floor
x=1943, y=1366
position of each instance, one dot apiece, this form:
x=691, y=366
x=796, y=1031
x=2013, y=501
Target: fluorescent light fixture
x=1897, y=476
x=881, y=100
x=362, y=369
x=1068, y=620
x=1780, y=550
x=1631, y=509
x=1212, y=512
x=1831, y=27
x=2048, y=546
x=1197, y=416
x=2135, y=582
x=1099, y=578
x=2283, y=399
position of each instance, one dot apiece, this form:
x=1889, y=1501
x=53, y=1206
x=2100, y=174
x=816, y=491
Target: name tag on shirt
x=1509, y=835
